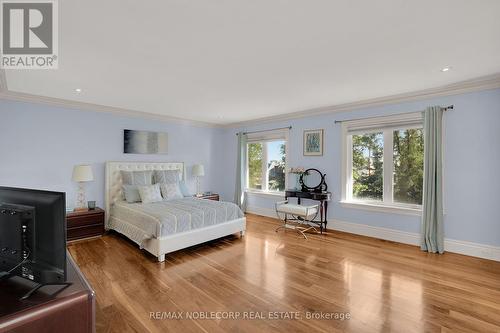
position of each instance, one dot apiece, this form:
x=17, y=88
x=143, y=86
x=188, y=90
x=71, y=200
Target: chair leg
x=311, y=228
x=280, y=227
x=303, y=230
x=284, y=223
x=300, y=231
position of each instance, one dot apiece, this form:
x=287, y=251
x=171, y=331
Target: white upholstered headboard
x=113, y=184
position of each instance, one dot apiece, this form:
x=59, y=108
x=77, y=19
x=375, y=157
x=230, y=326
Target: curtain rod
x=272, y=129
x=446, y=108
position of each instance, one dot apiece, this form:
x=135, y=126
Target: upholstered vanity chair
x=297, y=217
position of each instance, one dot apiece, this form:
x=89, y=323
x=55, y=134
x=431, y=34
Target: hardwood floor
x=382, y=286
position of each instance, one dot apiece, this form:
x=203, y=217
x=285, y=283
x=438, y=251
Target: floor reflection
x=263, y=267
x=377, y=296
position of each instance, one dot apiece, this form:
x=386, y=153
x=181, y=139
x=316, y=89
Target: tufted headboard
x=113, y=184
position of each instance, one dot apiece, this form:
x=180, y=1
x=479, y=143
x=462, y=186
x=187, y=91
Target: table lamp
x=198, y=171
x=82, y=174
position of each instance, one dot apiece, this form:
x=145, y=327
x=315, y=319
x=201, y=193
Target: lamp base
x=198, y=192
x=80, y=197
x=80, y=209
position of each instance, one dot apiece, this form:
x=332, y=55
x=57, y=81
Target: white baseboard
x=450, y=245
x=261, y=211
x=472, y=249
x=376, y=232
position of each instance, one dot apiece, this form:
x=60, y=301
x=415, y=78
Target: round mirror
x=313, y=180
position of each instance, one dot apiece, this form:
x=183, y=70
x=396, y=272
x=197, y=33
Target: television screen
x=33, y=234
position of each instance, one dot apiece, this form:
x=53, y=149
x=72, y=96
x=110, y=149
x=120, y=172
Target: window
x=255, y=154
x=408, y=159
x=384, y=161
x=367, y=166
x=266, y=162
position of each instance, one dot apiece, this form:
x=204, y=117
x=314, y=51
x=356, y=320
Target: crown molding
x=22, y=97
x=476, y=84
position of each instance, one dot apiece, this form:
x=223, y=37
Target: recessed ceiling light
x=445, y=69
x=78, y=90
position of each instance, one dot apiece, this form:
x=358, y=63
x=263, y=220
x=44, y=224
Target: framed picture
x=144, y=142
x=313, y=142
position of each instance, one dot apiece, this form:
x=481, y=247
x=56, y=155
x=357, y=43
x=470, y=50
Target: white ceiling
x=226, y=61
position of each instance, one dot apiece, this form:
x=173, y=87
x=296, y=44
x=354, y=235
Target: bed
x=167, y=226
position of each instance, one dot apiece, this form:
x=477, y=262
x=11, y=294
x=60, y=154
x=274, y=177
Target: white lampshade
x=82, y=173
x=198, y=170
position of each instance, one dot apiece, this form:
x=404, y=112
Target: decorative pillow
x=131, y=193
x=150, y=193
x=184, y=189
x=171, y=191
x=137, y=177
x=166, y=176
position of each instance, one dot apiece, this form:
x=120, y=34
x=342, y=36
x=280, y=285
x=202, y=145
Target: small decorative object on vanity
x=298, y=172
x=198, y=171
x=82, y=174
x=85, y=224
x=91, y=205
x=313, y=142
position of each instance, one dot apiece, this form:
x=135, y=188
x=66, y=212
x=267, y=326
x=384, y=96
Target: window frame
x=385, y=125
x=265, y=137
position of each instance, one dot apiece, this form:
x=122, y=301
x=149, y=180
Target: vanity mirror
x=312, y=180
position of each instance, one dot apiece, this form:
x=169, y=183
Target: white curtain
x=432, y=235
x=241, y=162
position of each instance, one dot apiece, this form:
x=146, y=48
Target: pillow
x=150, y=193
x=131, y=193
x=184, y=189
x=166, y=176
x=137, y=177
x=171, y=191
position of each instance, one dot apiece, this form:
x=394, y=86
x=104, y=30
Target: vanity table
x=314, y=188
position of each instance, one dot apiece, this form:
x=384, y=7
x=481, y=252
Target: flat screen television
x=33, y=235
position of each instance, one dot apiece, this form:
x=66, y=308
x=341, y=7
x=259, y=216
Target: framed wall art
x=313, y=142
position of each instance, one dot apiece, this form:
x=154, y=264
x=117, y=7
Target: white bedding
x=160, y=219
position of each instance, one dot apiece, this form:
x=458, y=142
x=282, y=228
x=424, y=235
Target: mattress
x=140, y=221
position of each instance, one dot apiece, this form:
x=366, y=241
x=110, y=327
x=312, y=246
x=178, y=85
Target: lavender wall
x=39, y=145
x=472, y=157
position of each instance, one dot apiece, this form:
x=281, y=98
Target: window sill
x=382, y=208
x=266, y=194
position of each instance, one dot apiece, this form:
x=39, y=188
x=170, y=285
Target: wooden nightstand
x=213, y=196
x=84, y=224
